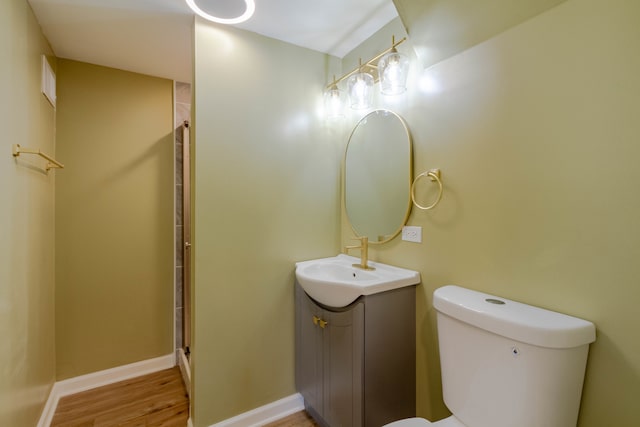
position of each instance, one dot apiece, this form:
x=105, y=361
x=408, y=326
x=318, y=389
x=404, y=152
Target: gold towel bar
x=52, y=163
x=434, y=175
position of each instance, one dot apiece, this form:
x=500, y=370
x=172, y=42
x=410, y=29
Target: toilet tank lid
x=511, y=319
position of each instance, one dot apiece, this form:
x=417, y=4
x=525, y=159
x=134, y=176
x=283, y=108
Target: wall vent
x=48, y=84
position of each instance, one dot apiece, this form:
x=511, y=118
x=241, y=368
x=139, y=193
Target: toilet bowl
x=498, y=356
x=421, y=422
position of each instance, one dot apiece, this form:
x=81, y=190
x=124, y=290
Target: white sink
x=335, y=282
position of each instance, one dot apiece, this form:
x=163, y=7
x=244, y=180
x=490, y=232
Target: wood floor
x=299, y=419
x=154, y=400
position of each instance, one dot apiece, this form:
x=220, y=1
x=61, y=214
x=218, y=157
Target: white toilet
x=507, y=364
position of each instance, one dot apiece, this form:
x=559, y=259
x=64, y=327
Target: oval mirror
x=377, y=176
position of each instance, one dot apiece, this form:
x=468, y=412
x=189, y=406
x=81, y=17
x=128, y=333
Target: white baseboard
x=99, y=379
x=266, y=414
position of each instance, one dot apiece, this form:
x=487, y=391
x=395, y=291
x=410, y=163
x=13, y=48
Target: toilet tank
x=507, y=364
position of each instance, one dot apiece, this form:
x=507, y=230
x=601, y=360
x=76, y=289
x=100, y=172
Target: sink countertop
x=335, y=282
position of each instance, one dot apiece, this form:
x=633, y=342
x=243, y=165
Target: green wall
x=440, y=29
x=27, y=193
x=114, y=218
x=536, y=133
x=267, y=195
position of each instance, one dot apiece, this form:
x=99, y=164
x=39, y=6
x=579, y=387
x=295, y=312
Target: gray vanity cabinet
x=329, y=362
x=355, y=366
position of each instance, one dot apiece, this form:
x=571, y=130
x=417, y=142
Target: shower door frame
x=186, y=238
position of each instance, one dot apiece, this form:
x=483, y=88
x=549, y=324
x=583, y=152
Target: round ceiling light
x=250, y=7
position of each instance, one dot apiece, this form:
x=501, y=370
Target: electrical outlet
x=412, y=233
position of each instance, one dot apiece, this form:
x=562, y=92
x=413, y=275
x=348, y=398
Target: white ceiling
x=154, y=36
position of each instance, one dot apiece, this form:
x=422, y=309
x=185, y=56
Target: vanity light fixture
x=250, y=8
x=393, y=69
x=360, y=80
x=334, y=101
x=360, y=89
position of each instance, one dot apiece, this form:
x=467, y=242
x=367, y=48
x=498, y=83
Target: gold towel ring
x=434, y=175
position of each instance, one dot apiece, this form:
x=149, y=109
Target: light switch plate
x=411, y=233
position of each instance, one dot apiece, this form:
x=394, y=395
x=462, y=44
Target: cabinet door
x=308, y=350
x=343, y=367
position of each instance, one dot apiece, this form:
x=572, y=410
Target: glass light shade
x=334, y=102
x=360, y=88
x=393, y=69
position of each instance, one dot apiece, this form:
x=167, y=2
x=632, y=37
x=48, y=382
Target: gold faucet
x=364, y=253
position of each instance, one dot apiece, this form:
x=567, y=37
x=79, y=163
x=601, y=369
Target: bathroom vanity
x=355, y=365
x=355, y=320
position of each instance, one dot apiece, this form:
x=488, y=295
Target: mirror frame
x=409, y=176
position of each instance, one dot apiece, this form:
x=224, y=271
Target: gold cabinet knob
x=319, y=322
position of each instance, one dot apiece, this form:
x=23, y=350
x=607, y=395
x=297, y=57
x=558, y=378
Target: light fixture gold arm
x=371, y=64
x=52, y=163
x=334, y=84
